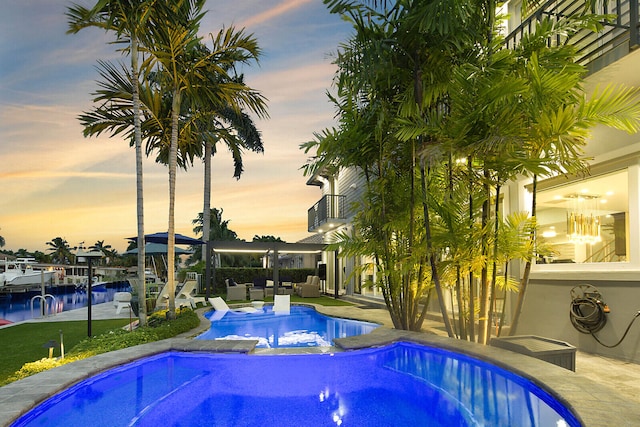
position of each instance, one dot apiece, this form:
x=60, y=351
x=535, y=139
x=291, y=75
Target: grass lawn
x=23, y=343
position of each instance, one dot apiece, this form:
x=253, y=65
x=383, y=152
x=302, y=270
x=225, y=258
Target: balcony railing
x=595, y=50
x=329, y=209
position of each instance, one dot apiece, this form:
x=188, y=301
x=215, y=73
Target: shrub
x=158, y=328
x=31, y=368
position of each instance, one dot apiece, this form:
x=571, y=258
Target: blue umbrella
x=157, y=248
x=164, y=238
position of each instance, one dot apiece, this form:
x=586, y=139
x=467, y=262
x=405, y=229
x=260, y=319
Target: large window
x=586, y=221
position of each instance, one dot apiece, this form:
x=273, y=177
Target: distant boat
x=96, y=284
x=22, y=273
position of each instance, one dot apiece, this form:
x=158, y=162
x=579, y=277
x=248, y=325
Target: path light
x=61, y=345
x=82, y=256
x=50, y=345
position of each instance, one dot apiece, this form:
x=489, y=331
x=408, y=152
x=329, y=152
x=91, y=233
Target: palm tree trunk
x=494, y=272
x=142, y=288
x=206, y=208
x=472, y=293
x=171, y=238
x=484, y=279
x=432, y=259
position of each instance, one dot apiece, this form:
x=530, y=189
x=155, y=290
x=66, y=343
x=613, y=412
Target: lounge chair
x=236, y=292
x=311, y=288
x=220, y=305
x=188, y=294
x=121, y=300
x=162, y=301
x=282, y=304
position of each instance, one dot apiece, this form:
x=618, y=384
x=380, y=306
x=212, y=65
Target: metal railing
x=330, y=207
x=595, y=50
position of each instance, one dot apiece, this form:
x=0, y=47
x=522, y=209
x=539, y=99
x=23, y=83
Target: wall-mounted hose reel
x=588, y=312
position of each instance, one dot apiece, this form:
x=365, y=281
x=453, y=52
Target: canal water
x=24, y=306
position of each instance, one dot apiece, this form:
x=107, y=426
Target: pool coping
x=592, y=403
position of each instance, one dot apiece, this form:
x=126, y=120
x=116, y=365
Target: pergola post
x=276, y=275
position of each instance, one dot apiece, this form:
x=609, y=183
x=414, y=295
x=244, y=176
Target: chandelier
x=583, y=223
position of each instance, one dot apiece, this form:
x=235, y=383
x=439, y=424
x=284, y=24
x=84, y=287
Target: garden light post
x=82, y=256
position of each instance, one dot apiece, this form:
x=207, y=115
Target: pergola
x=272, y=248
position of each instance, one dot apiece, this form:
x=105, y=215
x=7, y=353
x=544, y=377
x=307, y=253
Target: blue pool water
x=403, y=384
x=302, y=327
x=17, y=307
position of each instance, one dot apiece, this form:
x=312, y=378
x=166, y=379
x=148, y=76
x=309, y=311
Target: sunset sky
x=54, y=182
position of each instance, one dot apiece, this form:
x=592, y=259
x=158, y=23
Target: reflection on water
x=302, y=327
x=17, y=307
x=398, y=385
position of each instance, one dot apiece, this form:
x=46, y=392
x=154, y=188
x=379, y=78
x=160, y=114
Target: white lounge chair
x=282, y=304
x=188, y=293
x=163, y=299
x=121, y=300
x=220, y=305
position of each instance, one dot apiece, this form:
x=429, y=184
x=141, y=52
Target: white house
x=593, y=222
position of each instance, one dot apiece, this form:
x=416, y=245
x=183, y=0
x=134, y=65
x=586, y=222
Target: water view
x=17, y=307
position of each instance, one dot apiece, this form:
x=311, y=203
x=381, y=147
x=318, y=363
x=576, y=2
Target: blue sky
x=56, y=183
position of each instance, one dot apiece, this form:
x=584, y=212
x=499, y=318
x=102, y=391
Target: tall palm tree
x=128, y=20
x=176, y=55
x=238, y=132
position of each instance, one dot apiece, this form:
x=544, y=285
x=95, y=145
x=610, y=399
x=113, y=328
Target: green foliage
x=23, y=343
x=107, y=339
x=157, y=328
x=44, y=364
x=246, y=275
x=418, y=89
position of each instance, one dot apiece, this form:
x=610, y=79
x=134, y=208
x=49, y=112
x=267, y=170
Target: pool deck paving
x=602, y=391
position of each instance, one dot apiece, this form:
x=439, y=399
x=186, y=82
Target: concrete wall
x=547, y=307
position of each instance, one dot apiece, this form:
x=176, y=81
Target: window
x=586, y=221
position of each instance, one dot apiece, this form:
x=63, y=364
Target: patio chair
x=220, y=305
x=309, y=289
x=282, y=304
x=121, y=300
x=162, y=301
x=188, y=294
x=286, y=288
x=236, y=292
x=268, y=289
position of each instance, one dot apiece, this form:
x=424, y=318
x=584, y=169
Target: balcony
x=595, y=50
x=327, y=213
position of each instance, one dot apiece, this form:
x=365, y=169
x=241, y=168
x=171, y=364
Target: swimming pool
x=303, y=327
x=403, y=384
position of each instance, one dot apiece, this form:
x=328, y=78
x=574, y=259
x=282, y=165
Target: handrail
x=330, y=206
x=44, y=306
x=616, y=39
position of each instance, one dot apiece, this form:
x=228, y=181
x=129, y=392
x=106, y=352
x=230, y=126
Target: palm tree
x=176, y=54
x=238, y=132
x=127, y=19
x=106, y=250
x=60, y=251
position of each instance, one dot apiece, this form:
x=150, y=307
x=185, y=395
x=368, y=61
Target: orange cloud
x=274, y=12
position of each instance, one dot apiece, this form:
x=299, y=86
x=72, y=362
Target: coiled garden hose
x=588, y=313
